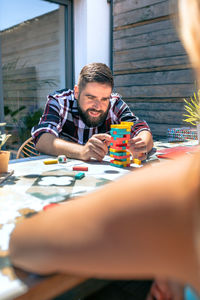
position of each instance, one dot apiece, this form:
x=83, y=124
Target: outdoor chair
x=27, y=149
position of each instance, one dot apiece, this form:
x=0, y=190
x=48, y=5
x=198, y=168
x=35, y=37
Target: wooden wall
x=20, y=89
x=151, y=68
x=30, y=58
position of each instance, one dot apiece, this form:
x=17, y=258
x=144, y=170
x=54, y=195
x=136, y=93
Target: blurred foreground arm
x=142, y=225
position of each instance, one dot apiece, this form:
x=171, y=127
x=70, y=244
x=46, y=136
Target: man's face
x=93, y=103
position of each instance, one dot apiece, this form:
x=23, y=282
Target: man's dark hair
x=95, y=72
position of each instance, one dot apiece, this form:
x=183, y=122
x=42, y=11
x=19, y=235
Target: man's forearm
x=147, y=138
x=52, y=145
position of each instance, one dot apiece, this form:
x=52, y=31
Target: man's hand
x=138, y=148
x=140, y=145
x=96, y=147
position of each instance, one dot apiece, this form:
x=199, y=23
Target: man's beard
x=92, y=121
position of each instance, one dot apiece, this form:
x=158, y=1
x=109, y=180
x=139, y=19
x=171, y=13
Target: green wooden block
x=79, y=175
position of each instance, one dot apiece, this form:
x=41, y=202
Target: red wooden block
x=79, y=168
x=117, y=144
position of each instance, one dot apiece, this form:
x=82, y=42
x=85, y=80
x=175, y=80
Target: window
x=33, y=58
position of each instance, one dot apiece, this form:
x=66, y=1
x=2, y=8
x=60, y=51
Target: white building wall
x=91, y=33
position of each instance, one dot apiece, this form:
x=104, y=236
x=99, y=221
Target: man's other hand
x=138, y=148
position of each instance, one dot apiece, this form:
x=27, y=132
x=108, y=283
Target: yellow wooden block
x=117, y=151
x=137, y=161
x=127, y=153
x=119, y=126
x=122, y=125
x=121, y=163
x=50, y=161
x=129, y=124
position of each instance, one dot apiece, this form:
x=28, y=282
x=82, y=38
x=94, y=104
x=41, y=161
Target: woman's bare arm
x=139, y=226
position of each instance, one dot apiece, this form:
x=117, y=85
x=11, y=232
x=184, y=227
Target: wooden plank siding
x=150, y=66
x=20, y=89
x=31, y=61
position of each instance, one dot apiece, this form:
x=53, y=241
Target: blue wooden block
x=118, y=153
x=79, y=175
x=121, y=159
x=116, y=136
x=119, y=131
x=118, y=166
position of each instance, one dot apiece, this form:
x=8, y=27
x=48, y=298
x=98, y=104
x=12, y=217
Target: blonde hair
x=189, y=21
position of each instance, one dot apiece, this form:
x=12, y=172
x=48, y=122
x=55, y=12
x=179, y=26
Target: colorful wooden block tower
x=120, y=134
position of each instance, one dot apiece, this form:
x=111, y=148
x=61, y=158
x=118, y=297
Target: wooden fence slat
x=149, y=52
x=157, y=106
x=123, y=6
x=157, y=91
x=146, y=13
x=155, y=26
x=147, y=39
x=160, y=117
x=155, y=78
x=31, y=30
x=161, y=62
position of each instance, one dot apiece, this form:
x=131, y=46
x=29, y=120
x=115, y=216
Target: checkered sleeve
x=50, y=122
x=123, y=113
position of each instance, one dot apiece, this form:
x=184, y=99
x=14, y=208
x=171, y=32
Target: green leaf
x=3, y=139
x=192, y=107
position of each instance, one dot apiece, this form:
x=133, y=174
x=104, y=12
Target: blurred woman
x=143, y=225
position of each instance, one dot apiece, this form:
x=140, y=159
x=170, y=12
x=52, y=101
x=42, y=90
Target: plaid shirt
x=61, y=118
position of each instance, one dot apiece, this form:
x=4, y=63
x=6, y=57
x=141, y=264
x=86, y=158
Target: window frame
x=1, y=90
x=68, y=42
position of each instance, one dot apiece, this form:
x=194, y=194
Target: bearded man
x=76, y=122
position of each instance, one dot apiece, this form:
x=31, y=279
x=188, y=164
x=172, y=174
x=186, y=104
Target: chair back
x=27, y=149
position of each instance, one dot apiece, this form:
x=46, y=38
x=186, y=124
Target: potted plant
x=192, y=108
x=4, y=155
